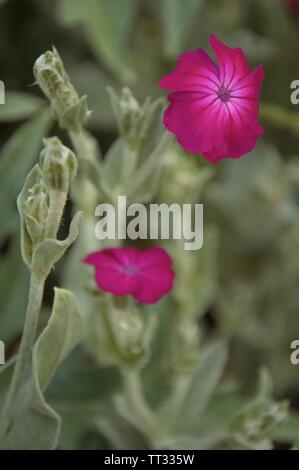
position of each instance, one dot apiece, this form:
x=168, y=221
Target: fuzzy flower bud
x=33, y=210
x=133, y=119
x=70, y=109
x=58, y=164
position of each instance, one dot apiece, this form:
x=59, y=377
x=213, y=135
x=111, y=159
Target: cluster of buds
x=56, y=170
x=133, y=119
x=254, y=427
x=69, y=109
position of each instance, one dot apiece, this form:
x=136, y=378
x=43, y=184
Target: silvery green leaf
x=202, y=386
x=36, y=425
x=199, y=270
x=113, y=164
x=19, y=106
x=90, y=79
x=64, y=330
x=184, y=177
x=78, y=382
x=49, y=251
x=34, y=228
x=106, y=25
x=178, y=18
x=144, y=184
x=75, y=116
x=255, y=193
x=120, y=432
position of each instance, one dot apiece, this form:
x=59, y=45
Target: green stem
x=280, y=117
x=137, y=401
x=29, y=333
x=176, y=405
x=57, y=202
x=129, y=162
x=86, y=151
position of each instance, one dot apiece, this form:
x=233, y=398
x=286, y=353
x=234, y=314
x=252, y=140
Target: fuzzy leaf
x=203, y=384
x=50, y=251
x=19, y=106
x=178, y=18
x=107, y=24
x=145, y=183
x=37, y=425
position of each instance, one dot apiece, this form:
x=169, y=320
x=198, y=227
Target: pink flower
x=214, y=108
x=146, y=275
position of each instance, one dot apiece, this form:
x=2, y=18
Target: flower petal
x=124, y=256
x=195, y=72
x=156, y=282
x=250, y=86
x=192, y=118
x=232, y=62
x=116, y=282
x=155, y=256
x=242, y=131
x=101, y=258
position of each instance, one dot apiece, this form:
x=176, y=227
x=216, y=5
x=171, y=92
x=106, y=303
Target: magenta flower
x=146, y=275
x=214, y=108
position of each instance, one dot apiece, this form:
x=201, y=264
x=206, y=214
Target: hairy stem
x=57, y=202
x=31, y=321
x=280, y=117
x=137, y=401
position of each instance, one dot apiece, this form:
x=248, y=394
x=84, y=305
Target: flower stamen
x=223, y=94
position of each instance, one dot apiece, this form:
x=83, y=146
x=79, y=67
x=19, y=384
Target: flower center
x=130, y=270
x=223, y=94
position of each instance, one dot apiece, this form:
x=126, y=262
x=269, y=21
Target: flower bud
x=70, y=109
x=33, y=209
x=255, y=426
x=132, y=334
x=133, y=119
x=118, y=335
x=58, y=164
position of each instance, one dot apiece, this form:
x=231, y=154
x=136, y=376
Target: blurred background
x=248, y=275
